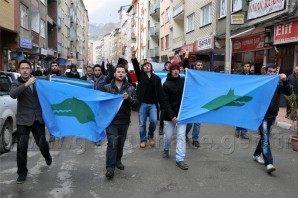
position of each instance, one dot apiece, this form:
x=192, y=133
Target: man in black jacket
x=29, y=118
x=268, y=121
x=172, y=96
x=117, y=130
x=149, y=96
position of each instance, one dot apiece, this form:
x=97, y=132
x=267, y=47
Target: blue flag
x=237, y=100
x=73, y=81
x=70, y=110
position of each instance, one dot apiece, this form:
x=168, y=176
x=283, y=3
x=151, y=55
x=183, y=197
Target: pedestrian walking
x=73, y=73
x=293, y=80
x=89, y=74
x=242, y=132
x=265, y=128
x=149, y=97
x=172, y=96
x=29, y=118
x=117, y=130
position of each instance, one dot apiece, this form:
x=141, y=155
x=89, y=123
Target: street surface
x=221, y=167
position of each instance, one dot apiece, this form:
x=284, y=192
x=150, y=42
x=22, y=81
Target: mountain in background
x=97, y=31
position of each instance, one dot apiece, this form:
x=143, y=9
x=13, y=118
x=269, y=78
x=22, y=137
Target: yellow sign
x=237, y=19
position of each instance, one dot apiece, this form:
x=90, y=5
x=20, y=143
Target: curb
x=285, y=125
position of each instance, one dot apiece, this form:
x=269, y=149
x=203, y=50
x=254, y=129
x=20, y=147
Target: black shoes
x=119, y=165
x=21, y=179
x=182, y=165
x=98, y=143
x=160, y=131
x=49, y=161
x=165, y=153
x=196, y=144
x=52, y=139
x=110, y=174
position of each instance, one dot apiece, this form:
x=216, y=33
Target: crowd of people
x=150, y=98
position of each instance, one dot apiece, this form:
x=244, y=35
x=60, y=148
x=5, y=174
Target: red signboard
x=188, y=48
x=286, y=33
x=250, y=43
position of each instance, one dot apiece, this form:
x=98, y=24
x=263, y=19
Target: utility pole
x=228, y=34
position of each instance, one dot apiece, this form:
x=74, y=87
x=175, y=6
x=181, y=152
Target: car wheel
x=6, y=138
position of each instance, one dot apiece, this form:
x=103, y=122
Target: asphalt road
x=221, y=167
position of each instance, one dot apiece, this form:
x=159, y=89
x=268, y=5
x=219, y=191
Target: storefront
x=250, y=49
x=286, y=41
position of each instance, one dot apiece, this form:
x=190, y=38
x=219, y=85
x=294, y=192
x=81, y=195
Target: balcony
x=178, y=42
x=154, y=9
x=154, y=52
x=179, y=10
x=154, y=31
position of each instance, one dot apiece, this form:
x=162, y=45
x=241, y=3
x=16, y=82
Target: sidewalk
x=283, y=122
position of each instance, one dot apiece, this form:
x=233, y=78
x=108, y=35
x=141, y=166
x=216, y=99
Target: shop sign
x=188, y=48
x=237, y=19
x=258, y=8
x=250, y=43
x=50, y=52
x=205, y=43
x=25, y=43
x=286, y=33
x=16, y=55
x=43, y=51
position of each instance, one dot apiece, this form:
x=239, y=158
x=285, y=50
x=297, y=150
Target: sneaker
x=143, y=145
x=196, y=144
x=98, y=143
x=165, y=153
x=151, y=141
x=182, y=165
x=270, y=168
x=119, y=165
x=21, y=179
x=52, y=139
x=110, y=174
x=237, y=133
x=244, y=136
x=258, y=159
x=49, y=161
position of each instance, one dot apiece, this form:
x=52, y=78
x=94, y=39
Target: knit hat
x=174, y=66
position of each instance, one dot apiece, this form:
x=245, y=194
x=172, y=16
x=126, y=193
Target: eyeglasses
x=25, y=68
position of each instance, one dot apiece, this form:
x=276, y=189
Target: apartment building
x=45, y=30
x=9, y=27
x=266, y=35
x=154, y=29
x=165, y=31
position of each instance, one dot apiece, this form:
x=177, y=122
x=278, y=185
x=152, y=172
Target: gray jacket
x=28, y=109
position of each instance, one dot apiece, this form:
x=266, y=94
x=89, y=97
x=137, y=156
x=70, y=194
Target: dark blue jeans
x=264, y=143
x=116, y=135
x=38, y=131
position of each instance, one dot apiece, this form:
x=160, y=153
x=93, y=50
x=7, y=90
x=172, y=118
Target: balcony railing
x=154, y=9
x=179, y=8
x=154, y=52
x=154, y=31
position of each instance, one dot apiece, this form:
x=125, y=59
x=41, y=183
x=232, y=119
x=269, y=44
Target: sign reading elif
x=205, y=43
x=286, y=32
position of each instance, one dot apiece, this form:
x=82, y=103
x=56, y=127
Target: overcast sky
x=104, y=11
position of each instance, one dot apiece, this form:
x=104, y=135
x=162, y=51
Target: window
x=42, y=29
x=167, y=42
x=223, y=8
x=162, y=19
x=161, y=43
x=206, y=15
x=43, y=1
x=35, y=19
x=24, y=16
x=190, y=25
x=236, y=5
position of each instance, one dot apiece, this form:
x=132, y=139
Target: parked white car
x=8, y=111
